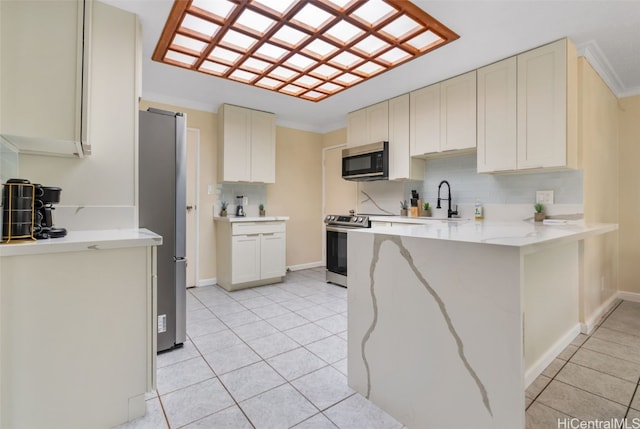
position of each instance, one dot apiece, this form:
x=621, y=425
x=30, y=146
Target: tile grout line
x=603, y=320
x=266, y=362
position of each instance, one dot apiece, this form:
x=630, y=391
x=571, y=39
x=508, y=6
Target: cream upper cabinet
x=424, y=123
x=547, y=107
x=246, y=145
x=497, y=135
x=443, y=116
x=368, y=125
x=458, y=112
x=45, y=80
x=401, y=165
x=527, y=111
x=263, y=147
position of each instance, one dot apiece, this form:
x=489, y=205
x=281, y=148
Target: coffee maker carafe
x=239, y=207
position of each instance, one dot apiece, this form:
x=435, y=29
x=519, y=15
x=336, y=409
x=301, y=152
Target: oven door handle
x=338, y=229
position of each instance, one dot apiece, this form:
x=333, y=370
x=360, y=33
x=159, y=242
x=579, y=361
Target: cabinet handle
x=267, y=233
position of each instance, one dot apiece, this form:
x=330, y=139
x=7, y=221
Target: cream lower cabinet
x=250, y=253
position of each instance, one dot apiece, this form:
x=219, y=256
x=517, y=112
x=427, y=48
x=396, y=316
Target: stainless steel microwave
x=365, y=163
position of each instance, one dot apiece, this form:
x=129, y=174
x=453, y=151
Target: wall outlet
x=162, y=323
x=544, y=197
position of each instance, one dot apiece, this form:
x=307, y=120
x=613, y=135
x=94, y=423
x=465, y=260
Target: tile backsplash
x=8, y=162
x=467, y=185
x=504, y=196
x=254, y=194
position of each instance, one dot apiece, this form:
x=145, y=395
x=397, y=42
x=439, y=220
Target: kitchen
x=95, y=198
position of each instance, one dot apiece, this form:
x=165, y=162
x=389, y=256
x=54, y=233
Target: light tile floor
x=275, y=357
x=267, y=357
x=594, y=380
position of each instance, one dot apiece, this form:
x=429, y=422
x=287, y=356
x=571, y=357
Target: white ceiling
x=606, y=32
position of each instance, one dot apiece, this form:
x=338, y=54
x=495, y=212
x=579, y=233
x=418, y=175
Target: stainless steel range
x=337, y=228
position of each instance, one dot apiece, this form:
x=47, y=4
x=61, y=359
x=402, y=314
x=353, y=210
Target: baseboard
x=587, y=327
x=306, y=266
x=629, y=296
x=206, y=282
x=532, y=373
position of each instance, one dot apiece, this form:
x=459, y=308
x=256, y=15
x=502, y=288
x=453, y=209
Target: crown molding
x=598, y=60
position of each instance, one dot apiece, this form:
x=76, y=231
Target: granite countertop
x=250, y=218
x=516, y=234
x=83, y=240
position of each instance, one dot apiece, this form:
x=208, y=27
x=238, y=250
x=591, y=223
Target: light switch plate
x=544, y=197
x=209, y=189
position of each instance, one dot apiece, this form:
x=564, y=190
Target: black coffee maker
x=45, y=198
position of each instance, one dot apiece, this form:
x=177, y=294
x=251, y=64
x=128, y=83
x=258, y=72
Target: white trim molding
x=587, y=326
x=629, y=296
x=305, y=266
x=536, y=369
x=207, y=282
x=598, y=60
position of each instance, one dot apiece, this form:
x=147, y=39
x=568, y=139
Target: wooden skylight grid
x=309, y=49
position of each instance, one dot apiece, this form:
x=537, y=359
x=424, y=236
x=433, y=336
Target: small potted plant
x=223, y=208
x=538, y=216
x=426, y=210
x=403, y=208
x=261, y=208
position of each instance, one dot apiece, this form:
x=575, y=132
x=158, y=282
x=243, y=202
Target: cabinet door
x=378, y=122
x=497, y=116
x=42, y=69
x=245, y=258
x=401, y=165
x=424, y=122
x=542, y=107
x=236, y=144
x=357, y=128
x=272, y=255
x=263, y=147
x=458, y=112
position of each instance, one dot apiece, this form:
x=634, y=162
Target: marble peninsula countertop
x=83, y=240
x=517, y=233
x=249, y=218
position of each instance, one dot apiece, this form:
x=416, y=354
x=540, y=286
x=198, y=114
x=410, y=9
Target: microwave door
x=363, y=167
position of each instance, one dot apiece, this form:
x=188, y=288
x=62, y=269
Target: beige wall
x=598, y=134
x=297, y=193
x=334, y=138
x=629, y=179
x=207, y=123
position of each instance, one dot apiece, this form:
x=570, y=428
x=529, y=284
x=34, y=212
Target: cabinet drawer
x=244, y=228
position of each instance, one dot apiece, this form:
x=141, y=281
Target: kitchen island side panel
x=76, y=346
x=435, y=327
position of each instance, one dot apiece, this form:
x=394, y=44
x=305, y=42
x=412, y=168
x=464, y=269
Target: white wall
x=99, y=191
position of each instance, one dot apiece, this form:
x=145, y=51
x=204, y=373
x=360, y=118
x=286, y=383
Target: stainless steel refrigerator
x=162, y=202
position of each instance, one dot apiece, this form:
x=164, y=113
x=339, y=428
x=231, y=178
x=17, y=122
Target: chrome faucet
x=450, y=212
